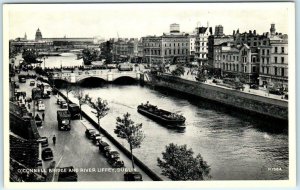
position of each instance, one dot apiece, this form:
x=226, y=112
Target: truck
x=22, y=78
x=36, y=93
x=74, y=111
x=64, y=120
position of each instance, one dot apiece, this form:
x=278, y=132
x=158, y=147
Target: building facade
x=274, y=61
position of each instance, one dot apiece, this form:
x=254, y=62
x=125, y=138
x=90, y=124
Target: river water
x=235, y=145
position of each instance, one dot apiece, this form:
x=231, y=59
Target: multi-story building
x=274, y=60
x=192, y=47
x=219, y=30
x=201, y=45
x=229, y=59
x=249, y=58
x=169, y=48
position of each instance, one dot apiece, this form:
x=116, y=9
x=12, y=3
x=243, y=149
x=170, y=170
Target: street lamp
x=44, y=63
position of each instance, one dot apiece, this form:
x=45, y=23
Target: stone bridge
x=109, y=76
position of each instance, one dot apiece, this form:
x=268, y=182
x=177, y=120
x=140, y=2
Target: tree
x=126, y=129
x=179, y=70
x=201, y=74
x=101, y=107
x=81, y=97
x=69, y=89
x=178, y=163
x=30, y=56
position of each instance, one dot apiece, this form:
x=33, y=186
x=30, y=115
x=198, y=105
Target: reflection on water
x=236, y=145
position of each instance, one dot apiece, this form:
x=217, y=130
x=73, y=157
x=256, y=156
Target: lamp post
x=44, y=63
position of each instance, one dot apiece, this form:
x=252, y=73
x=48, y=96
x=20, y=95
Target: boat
x=172, y=120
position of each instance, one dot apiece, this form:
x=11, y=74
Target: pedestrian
x=43, y=116
x=54, y=140
x=25, y=100
x=28, y=105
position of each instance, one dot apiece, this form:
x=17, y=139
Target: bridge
x=107, y=75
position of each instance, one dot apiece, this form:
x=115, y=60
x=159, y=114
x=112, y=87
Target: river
x=235, y=145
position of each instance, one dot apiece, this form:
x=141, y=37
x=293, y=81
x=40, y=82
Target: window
x=275, y=71
x=282, y=72
x=166, y=52
x=276, y=49
x=267, y=70
x=268, y=52
x=223, y=57
x=282, y=49
x=182, y=51
x=267, y=60
x=174, y=51
x=178, y=44
x=178, y=51
x=165, y=45
x=170, y=52
x=255, y=44
x=275, y=59
x=253, y=69
x=263, y=52
x=245, y=69
x=282, y=59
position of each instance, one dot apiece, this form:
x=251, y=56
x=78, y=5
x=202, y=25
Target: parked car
x=17, y=85
x=59, y=100
x=41, y=107
x=43, y=141
x=38, y=120
x=133, y=176
x=47, y=154
x=104, y=147
x=276, y=91
x=254, y=86
x=112, y=154
x=115, y=162
x=63, y=105
x=32, y=83
x=39, y=163
x=45, y=96
x=69, y=174
x=90, y=132
x=96, y=139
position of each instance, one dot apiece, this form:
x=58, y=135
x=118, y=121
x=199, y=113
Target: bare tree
x=101, y=107
x=126, y=129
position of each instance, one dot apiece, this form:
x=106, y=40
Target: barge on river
x=171, y=120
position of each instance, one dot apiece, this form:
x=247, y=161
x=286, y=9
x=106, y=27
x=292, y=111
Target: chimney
x=233, y=32
x=254, y=32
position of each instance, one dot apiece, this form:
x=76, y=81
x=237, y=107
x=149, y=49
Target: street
x=73, y=148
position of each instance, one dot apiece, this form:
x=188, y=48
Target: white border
x=174, y=184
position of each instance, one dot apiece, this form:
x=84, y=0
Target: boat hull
x=161, y=120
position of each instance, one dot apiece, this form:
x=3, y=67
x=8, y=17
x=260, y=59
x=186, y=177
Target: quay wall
x=261, y=105
x=139, y=163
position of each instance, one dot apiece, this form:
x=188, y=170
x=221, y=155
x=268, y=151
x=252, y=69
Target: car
x=95, y=136
x=254, y=86
x=59, y=100
x=103, y=147
x=133, y=176
x=41, y=107
x=43, y=141
x=38, y=120
x=276, y=91
x=39, y=163
x=96, y=140
x=115, y=162
x=67, y=174
x=112, y=154
x=17, y=85
x=32, y=83
x=90, y=132
x=63, y=105
x=45, y=96
x=47, y=154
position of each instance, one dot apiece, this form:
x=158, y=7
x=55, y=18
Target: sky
x=137, y=20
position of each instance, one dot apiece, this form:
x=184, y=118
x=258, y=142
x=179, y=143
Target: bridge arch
x=124, y=80
x=91, y=81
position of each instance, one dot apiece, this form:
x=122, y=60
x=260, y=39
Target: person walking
x=29, y=106
x=43, y=116
x=54, y=139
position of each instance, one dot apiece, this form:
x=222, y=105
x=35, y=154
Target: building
x=201, y=45
x=38, y=35
x=219, y=30
x=170, y=48
x=229, y=56
x=192, y=48
x=274, y=60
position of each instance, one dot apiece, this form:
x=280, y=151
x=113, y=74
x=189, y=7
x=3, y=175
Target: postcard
x=130, y=95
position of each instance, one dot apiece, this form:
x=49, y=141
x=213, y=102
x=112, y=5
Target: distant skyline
x=137, y=20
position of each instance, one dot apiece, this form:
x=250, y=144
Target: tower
x=272, y=29
x=38, y=35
